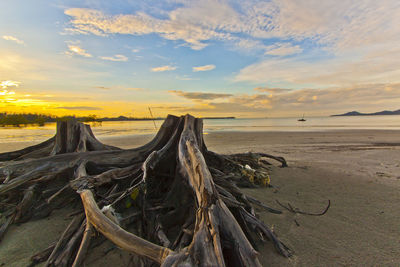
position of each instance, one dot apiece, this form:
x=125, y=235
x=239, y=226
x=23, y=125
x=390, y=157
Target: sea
x=32, y=133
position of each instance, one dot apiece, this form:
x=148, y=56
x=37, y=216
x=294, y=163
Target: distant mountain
x=356, y=113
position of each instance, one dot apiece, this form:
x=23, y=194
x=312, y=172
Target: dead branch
x=290, y=208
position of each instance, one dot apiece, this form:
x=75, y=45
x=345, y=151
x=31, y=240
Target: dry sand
x=358, y=171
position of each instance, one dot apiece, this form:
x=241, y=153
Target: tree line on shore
x=23, y=119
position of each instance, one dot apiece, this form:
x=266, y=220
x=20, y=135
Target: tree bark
x=172, y=202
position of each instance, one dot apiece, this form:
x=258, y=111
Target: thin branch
x=296, y=210
x=84, y=245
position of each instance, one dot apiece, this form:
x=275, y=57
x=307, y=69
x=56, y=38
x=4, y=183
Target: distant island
x=356, y=113
x=18, y=119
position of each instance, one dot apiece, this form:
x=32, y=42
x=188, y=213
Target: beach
x=358, y=171
x=142, y=122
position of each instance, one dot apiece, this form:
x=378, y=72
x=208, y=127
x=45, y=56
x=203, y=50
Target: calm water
x=107, y=129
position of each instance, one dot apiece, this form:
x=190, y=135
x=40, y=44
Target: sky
x=248, y=58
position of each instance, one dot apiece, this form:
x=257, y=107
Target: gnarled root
x=170, y=202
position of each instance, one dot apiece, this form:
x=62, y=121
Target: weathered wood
x=83, y=248
x=66, y=235
x=119, y=236
x=29, y=150
x=73, y=136
x=181, y=200
x=42, y=256
x=212, y=215
x=5, y=225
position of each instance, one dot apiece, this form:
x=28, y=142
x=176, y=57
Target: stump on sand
x=171, y=202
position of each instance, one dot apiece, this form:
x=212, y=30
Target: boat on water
x=302, y=119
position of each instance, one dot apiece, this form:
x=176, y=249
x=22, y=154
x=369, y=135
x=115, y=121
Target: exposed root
x=171, y=201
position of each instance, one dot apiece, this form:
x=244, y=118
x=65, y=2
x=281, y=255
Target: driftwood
x=171, y=202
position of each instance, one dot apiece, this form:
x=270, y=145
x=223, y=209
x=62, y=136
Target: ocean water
x=126, y=128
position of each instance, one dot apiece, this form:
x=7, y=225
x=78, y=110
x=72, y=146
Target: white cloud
x=204, y=68
x=7, y=93
x=331, y=23
x=77, y=50
x=185, y=78
x=13, y=39
x=115, y=58
x=8, y=83
x=282, y=49
x=359, y=41
x=352, y=41
x=163, y=68
x=98, y=23
x=343, y=70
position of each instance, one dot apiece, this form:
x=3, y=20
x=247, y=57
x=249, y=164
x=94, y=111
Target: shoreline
x=277, y=137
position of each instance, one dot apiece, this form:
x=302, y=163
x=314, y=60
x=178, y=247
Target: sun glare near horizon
x=208, y=58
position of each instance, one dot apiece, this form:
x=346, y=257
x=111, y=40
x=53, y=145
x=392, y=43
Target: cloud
x=327, y=22
x=199, y=95
x=287, y=102
x=352, y=42
x=79, y=108
x=163, y=68
x=119, y=87
x=331, y=44
x=235, y=106
x=115, y=58
x=76, y=50
x=203, y=68
x=185, y=78
x=282, y=49
x=196, y=22
x=372, y=96
x=6, y=93
x=135, y=50
x=102, y=87
x=344, y=70
x=13, y=39
x=272, y=90
x=166, y=107
x=8, y=83
x=86, y=21
x=249, y=44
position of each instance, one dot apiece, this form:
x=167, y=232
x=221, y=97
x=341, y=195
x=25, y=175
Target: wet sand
x=357, y=170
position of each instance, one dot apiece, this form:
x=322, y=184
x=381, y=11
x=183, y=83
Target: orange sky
x=267, y=58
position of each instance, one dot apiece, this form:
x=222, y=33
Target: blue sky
x=242, y=58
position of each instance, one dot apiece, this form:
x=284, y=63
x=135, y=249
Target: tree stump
x=171, y=202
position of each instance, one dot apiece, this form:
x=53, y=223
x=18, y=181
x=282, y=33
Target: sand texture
x=357, y=170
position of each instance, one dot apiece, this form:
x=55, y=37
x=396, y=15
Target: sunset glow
x=208, y=58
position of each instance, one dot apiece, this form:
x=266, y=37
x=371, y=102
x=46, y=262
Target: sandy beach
x=357, y=170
